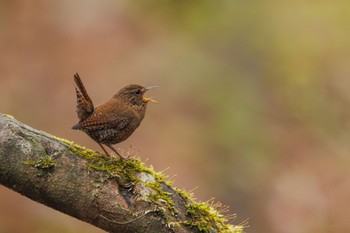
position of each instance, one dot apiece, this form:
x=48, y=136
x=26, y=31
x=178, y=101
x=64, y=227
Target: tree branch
x=114, y=195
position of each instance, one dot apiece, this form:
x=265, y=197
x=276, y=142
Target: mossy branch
x=114, y=195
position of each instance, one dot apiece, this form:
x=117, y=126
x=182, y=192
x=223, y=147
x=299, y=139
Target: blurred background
x=254, y=99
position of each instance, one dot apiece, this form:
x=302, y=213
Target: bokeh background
x=255, y=100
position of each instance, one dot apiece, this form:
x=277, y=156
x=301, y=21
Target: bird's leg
x=112, y=148
x=103, y=148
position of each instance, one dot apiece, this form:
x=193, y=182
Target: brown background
x=254, y=99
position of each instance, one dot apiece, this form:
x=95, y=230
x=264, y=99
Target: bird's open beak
x=149, y=99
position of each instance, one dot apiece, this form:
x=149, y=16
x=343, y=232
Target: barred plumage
x=115, y=120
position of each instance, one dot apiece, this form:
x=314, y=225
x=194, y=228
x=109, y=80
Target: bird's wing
x=118, y=123
x=85, y=107
x=105, y=117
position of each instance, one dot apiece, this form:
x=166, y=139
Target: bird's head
x=133, y=94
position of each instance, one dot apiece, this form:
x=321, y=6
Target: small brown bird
x=115, y=120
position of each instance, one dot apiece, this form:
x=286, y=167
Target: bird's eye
x=137, y=92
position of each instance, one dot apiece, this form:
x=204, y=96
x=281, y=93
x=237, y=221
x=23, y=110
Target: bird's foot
x=115, y=151
x=110, y=154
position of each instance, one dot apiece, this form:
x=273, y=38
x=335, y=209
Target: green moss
x=7, y=115
x=161, y=197
x=204, y=217
x=81, y=151
x=184, y=194
x=115, y=167
x=44, y=163
x=126, y=169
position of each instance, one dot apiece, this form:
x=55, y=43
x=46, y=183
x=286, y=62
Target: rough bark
x=114, y=195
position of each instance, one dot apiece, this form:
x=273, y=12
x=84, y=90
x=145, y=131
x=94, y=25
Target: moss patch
x=204, y=216
x=161, y=197
x=9, y=116
x=44, y=163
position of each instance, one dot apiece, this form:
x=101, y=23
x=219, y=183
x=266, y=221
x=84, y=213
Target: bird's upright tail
x=85, y=107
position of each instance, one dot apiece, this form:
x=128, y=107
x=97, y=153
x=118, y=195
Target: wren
x=115, y=120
